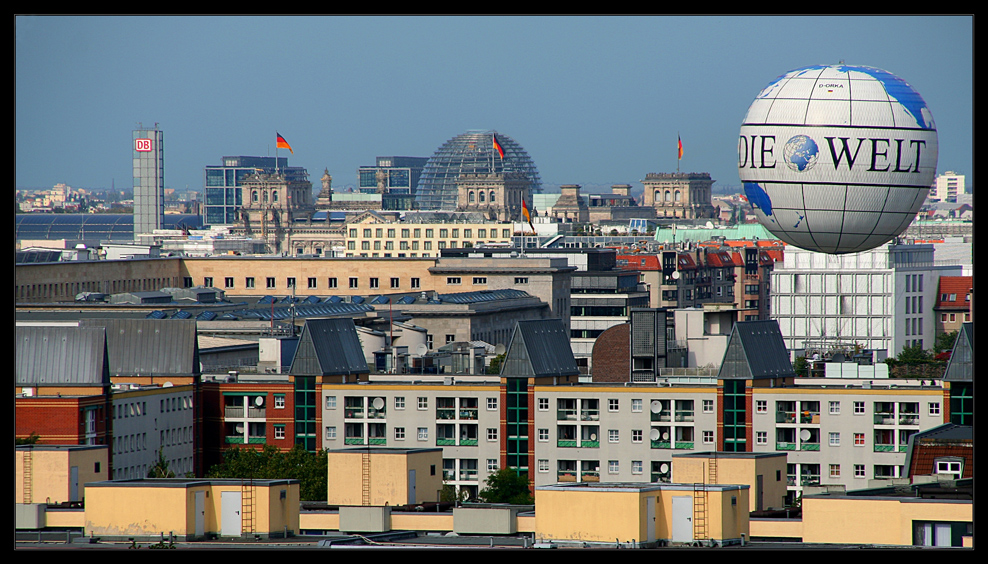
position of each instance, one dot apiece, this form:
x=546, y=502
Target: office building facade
x=149, y=180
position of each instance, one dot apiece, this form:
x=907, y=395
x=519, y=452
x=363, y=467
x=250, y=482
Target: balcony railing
x=661, y=444
x=785, y=416
x=664, y=416
x=566, y=414
x=589, y=476
x=903, y=448
x=468, y=442
x=566, y=443
x=589, y=415
x=566, y=476
x=910, y=419
x=684, y=444
x=810, y=480
x=445, y=413
x=468, y=475
x=239, y=440
x=682, y=416
x=468, y=413
x=377, y=441
x=445, y=442
x=884, y=448
x=812, y=417
x=785, y=446
x=376, y=413
x=809, y=446
x=353, y=441
x=353, y=413
x=790, y=480
x=589, y=444
x=884, y=419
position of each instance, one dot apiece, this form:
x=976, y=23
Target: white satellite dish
x=167, y=385
x=240, y=428
x=804, y=434
x=654, y=434
x=675, y=275
x=593, y=436
x=500, y=348
x=259, y=401
x=656, y=406
x=378, y=403
x=665, y=435
x=663, y=468
x=421, y=349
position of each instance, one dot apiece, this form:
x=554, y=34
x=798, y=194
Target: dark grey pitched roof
x=329, y=347
x=961, y=364
x=61, y=356
x=539, y=347
x=756, y=350
x=150, y=347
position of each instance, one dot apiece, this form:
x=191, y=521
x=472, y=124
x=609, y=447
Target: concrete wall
x=485, y=521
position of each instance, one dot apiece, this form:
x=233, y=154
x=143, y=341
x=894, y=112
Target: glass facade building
x=149, y=179
x=401, y=177
x=470, y=153
x=221, y=183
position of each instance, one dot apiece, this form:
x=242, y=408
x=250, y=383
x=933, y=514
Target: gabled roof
x=329, y=347
x=961, y=364
x=150, y=347
x=61, y=356
x=756, y=350
x=956, y=287
x=947, y=440
x=539, y=347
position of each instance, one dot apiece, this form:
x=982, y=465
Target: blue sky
x=594, y=100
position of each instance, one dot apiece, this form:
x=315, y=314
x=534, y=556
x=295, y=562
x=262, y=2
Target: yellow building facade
x=763, y=472
x=57, y=473
x=384, y=476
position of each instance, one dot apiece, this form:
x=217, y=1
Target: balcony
x=586, y=443
x=809, y=446
x=785, y=446
x=565, y=476
x=447, y=413
x=564, y=414
x=377, y=441
x=239, y=440
x=661, y=444
x=884, y=448
x=810, y=417
x=908, y=419
x=589, y=415
x=469, y=413
x=791, y=480
x=445, y=442
x=884, y=419
x=684, y=416
x=785, y=417
x=664, y=416
x=353, y=441
x=353, y=413
x=589, y=476
x=688, y=445
x=468, y=475
x=810, y=480
x=566, y=443
x=468, y=442
x=376, y=413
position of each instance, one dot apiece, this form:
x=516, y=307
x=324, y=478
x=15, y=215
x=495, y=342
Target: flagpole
x=679, y=149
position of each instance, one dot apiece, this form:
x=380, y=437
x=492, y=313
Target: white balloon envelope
x=837, y=159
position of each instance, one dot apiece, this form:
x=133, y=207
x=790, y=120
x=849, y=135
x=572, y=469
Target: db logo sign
x=142, y=145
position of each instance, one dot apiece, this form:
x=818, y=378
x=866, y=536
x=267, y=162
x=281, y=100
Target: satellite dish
x=167, y=385
x=804, y=434
x=656, y=406
x=709, y=225
x=675, y=275
x=421, y=349
x=240, y=428
x=593, y=436
x=259, y=401
x=378, y=403
x=663, y=468
x=500, y=348
x=665, y=435
x=654, y=434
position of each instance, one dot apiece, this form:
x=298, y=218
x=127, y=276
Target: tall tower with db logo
x=149, y=180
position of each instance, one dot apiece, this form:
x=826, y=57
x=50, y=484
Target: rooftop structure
x=472, y=152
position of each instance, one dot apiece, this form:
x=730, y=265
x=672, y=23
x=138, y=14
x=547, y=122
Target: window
x=330, y=402
x=453, y=280
x=279, y=401
x=636, y=466
x=492, y=465
x=934, y=408
x=543, y=435
x=399, y=433
x=859, y=408
x=395, y=283
x=543, y=404
x=949, y=467
x=491, y=404
x=612, y=404
x=859, y=470
x=612, y=467
x=543, y=465
x=353, y=282
x=859, y=439
x=492, y=434
x=708, y=406
x=375, y=283
x=279, y=432
x=636, y=406
x=761, y=437
x=834, y=439
x=521, y=280
x=249, y=282
x=290, y=283
x=270, y=282
x=423, y=433
x=835, y=470
x=423, y=403
x=761, y=406
x=416, y=283
x=480, y=280
x=207, y=281
x=612, y=435
x=835, y=408
x=400, y=402
x=332, y=282
x=708, y=437
x=228, y=282
x=330, y=433
x=636, y=435
x=450, y=339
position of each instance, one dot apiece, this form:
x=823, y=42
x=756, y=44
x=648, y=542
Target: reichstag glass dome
x=470, y=153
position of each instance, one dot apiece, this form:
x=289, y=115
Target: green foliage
x=801, y=366
x=944, y=342
x=310, y=469
x=160, y=468
x=495, y=366
x=450, y=495
x=505, y=486
x=32, y=440
x=913, y=355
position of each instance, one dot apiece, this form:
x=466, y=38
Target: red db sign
x=142, y=145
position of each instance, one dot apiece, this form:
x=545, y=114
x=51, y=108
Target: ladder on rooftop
x=699, y=511
x=365, y=479
x=27, y=476
x=248, y=492
x=712, y=470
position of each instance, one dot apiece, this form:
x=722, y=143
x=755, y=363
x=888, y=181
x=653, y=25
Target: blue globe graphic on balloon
x=801, y=153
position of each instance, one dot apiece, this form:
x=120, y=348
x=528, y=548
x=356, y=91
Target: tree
x=495, y=366
x=801, y=366
x=160, y=468
x=31, y=440
x=913, y=355
x=506, y=486
x=309, y=468
x=944, y=342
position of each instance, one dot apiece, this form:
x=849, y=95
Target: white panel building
x=881, y=299
x=948, y=186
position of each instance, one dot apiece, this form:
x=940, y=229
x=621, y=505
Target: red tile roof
x=956, y=287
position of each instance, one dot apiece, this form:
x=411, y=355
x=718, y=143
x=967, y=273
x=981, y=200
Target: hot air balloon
x=837, y=158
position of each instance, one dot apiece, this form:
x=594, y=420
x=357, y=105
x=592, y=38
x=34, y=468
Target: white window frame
x=279, y=401
x=399, y=433
x=399, y=402
x=835, y=408
x=613, y=436
x=543, y=465
x=543, y=404
x=330, y=402
x=834, y=439
x=613, y=405
x=492, y=434
x=859, y=408
x=279, y=432
x=491, y=404
x=423, y=403
x=423, y=433
x=708, y=406
x=543, y=435
x=330, y=433
x=636, y=406
x=636, y=466
x=859, y=471
x=761, y=437
x=761, y=406
x=708, y=437
x=835, y=470
x=934, y=408
x=862, y=437
x=637, y=435
x=613, y=467
x=492, y=465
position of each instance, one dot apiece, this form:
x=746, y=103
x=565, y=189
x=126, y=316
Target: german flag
x=282, y=144
x=680, y=147
x=497, y=146
x=525, y=213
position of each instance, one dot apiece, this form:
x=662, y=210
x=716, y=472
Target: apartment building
x=150, y=423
